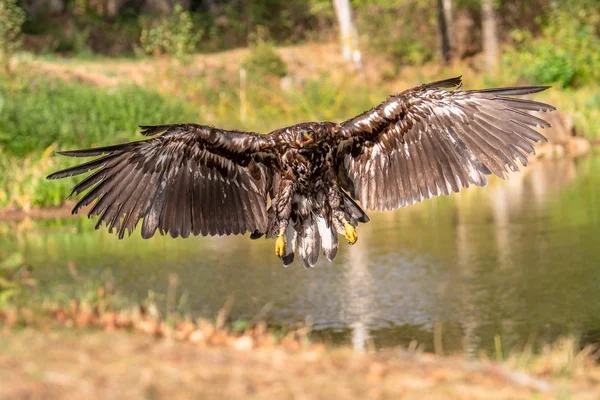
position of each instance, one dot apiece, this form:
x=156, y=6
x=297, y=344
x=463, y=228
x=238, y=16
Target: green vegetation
x=13, y=278
x=11, y=21
x=565, y=53
x=37, y=113
x=173, y=34
x=263, y=60
x=411, y=42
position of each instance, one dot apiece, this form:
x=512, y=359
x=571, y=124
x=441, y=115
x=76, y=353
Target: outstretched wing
x=191, y=179
x=427, y=141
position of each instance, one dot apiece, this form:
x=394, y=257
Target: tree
x=348, y=32
x=12, y=18
x=490, y=35
x=446, y=30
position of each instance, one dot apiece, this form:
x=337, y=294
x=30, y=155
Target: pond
x=518, y=260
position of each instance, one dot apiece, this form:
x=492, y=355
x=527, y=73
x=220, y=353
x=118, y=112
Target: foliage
x=405, y=32
x=566, y=53
x=37, y=114
x=173, y=34
x=12, y=18
x=230, y=24
x=263, y=60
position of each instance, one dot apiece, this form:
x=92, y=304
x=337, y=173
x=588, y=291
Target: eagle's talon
x=280, y=246
x=350, y=233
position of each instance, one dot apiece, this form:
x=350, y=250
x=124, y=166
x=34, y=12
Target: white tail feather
x=290, y=248
x=329, y=238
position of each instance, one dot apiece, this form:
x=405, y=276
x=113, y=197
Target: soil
x=76, y=364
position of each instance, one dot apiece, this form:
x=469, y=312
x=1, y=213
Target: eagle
x=305, y=184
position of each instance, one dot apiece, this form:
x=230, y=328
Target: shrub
x=173, y=34
x=565, y=54
x=263, y=60
x=12, y=18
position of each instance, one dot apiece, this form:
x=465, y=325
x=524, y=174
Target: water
x=518, y=259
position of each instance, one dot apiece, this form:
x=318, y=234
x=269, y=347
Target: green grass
x=41, y=115
x=38, y=113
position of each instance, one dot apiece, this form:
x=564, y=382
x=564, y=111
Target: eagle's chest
x=307, y=168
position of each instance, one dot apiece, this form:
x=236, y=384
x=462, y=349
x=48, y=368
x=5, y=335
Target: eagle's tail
x=329, y=238
x=290, y=248
x=308, y=235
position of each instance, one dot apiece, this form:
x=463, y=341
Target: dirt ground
x=299, y=60
x=119, y=365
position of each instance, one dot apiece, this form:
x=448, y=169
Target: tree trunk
x=348, y=32
x=490, y=35
x=446, y=30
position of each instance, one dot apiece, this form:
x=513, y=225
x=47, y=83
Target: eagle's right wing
x=190, y=179
x=426, y=141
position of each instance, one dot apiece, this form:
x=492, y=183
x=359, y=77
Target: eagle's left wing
x=190, y=179
x=427, y=141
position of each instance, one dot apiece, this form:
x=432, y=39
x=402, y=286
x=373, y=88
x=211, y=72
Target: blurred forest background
x=86, y=72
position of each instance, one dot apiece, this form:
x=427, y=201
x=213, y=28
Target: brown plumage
x=300, y=183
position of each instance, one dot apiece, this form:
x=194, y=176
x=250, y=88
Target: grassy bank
x=117, y=365
x=39, y=113
x=50, y=105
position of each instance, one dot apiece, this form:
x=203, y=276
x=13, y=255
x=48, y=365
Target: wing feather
x=427, y=141
x=192, y=179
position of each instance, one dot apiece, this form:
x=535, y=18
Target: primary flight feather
x=300, y=184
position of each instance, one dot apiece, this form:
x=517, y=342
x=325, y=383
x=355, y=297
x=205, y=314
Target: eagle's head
x=304, y=138
x=307, y=135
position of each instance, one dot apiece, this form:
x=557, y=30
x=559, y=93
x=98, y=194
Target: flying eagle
x=301, y=184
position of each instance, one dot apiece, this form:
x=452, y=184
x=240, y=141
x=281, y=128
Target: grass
x=38, y=113
x=41, y=112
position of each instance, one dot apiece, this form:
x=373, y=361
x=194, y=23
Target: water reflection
x=518, y=259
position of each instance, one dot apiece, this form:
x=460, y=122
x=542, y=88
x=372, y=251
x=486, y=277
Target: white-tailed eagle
x=300, y=184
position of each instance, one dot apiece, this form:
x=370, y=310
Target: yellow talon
x=280, y=246
x=351, y=235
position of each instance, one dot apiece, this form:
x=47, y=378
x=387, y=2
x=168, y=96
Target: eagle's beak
x=306, y=138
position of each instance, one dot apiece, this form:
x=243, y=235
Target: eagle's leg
x=283, y=211
x=350, y=232
x=335, y=202
x=280, y=244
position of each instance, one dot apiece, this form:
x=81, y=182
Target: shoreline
x=64, y=211
x=56, y=349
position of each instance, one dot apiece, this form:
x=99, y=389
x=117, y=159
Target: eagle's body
x=300, y=183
